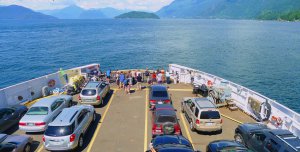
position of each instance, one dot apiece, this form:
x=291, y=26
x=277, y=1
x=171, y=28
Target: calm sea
x=263, y=56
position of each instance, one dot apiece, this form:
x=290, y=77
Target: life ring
x=209, y=83
x=279, y=121
x=51, y=83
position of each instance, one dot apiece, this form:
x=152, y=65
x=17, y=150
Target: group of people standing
x=132, y=77
x=127, y=80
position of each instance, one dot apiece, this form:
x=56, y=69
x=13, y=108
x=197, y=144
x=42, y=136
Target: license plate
x=209, y=124
x=30, y=124
x=56, y=143
x=158, y=130
x=160, y=102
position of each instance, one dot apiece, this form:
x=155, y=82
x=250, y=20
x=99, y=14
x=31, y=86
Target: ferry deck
x=124, y=122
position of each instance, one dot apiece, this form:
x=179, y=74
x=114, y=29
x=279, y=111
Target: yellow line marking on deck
x=186, y=129
x=100, y=124
x=40, y=149
x=180, y=89
x=146, y=123
x=231, y=119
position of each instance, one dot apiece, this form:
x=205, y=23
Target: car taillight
x=152, y=101
x=43, y=138
x=221, y=121
x=22, y=124
x=79, y=98
x=167, y=101
x=39, y=123
x=197, y=121
x=72, y=137
x=98, y=97
x=177, y=128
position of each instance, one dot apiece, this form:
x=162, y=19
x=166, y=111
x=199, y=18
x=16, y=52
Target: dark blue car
x=225, y=145
x=171, y=143
x=158, y=94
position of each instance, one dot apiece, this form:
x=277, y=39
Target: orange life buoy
x=209, y=83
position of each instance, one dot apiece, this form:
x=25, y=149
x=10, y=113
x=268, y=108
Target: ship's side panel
x=249, y=101
x=32, y=89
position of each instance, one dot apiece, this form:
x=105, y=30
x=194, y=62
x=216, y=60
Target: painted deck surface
x=123, y=123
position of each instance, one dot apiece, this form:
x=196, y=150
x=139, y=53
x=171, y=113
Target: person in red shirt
x=153, y=78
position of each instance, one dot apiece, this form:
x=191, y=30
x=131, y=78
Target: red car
x=164, y=120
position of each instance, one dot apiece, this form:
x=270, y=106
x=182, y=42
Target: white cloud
x=149, y=5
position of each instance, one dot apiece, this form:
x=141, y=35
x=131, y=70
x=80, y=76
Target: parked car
x=259, y=138
x=158, y=94
x=170, y=143
x=43, y=112
x=10, y=116
x=15, y=143
x=164, y=120
x=94, y=93
x=225, y=145
x=202, y=114
x=67, y=131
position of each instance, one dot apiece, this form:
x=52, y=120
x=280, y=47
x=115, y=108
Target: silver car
x=66, y=132
x=43, y=112
x=17, y=143
x=94, y=93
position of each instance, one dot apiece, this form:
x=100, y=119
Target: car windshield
x=59, y=130
x=210, y=115
x=37, y=111
x=88, y=92
x=163, y=119
x=160, y=94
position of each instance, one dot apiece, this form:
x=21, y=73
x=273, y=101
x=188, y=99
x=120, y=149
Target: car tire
x=27, y=148
x=70, y=103
x=80, y=143
x=192, y=126
x=238, y=138
x=182, y=109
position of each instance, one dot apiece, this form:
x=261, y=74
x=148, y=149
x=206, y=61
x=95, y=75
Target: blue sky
x=149, y=5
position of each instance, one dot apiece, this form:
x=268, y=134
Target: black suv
x=259, y=138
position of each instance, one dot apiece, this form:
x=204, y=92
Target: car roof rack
x=284, y=139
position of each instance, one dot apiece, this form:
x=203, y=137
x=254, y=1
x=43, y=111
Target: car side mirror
x=175, y=109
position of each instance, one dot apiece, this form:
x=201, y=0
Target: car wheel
x=238, y=138
x=182, y=110
x=80, y=142
x=27, y=148
x=70, y=103
x=94, y=116
x=192, y=126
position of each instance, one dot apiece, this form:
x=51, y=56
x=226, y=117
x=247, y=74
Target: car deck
x=124, y=122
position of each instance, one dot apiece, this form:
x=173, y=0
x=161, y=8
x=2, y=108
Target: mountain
x=70, y=12
x=19, y=12
x=76, y=12
x=232, y=9
x=139, y=15
x=112, y=12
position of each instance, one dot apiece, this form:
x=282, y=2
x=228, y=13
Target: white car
x=43, y=112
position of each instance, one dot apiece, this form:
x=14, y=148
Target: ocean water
x=263, y=56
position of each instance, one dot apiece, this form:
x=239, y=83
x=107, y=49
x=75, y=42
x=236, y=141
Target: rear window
x=88, y=92
x=160, y=94
x=163, y=119
x=37, y=111
x=59, y=130
x=210, y=115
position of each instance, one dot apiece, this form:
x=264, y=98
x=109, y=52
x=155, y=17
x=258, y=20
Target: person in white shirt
x=159, y=78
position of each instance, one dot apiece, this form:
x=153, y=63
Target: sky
x=147, y=5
